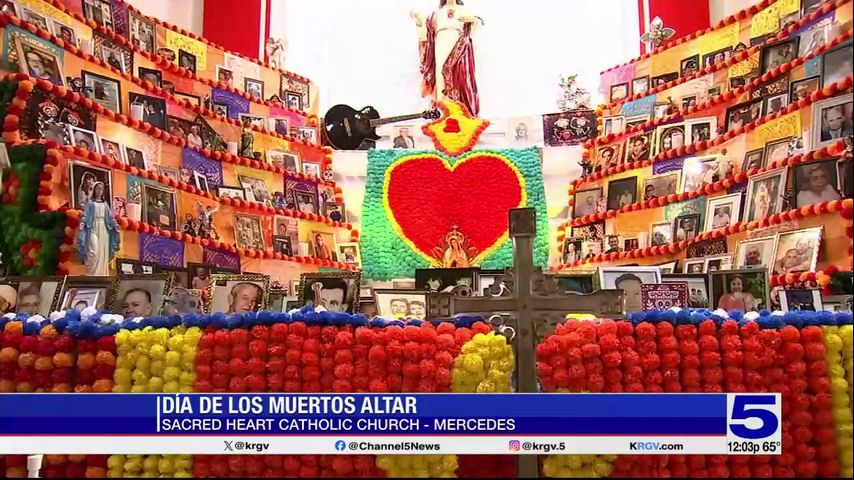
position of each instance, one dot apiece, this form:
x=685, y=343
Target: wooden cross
x=527, y=301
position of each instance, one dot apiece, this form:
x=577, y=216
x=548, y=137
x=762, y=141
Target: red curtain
x=234, y=25
x=685, y=17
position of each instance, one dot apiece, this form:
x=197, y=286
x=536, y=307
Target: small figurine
x=657, y=34
x=247, y=141
x=586, y=167
x=275, y=49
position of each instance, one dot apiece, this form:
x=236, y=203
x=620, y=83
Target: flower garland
x=840, y=434
x=163, y=466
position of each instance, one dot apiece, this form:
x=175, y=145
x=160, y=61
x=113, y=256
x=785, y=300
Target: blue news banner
x=390, y=423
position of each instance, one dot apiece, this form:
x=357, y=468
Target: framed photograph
x=591, y=248
x=322, y=245
x=335, y=211
x=722, y=212
x=663, y=79
x=306, y=202
x=290, y=161
x=832, y=120
x=592, y=231
x=631, y=243
x=253, y=87
x=756, y=252
x=743, y=113
x=34, y=295
x=612, y=244
x=694, y=265
x=837, y=303
x=158, y=206
x=689, y=66
x=622, y=192
x=608, y=156
x=80, y=293
x=754, y=159
x=742, y=290
x=112, y=149
x=224, y=75
x=64, y=32
x=629, y=280
x=201, y=181
x=114, y=57
x=716, y=57
x=293, y=100
x=248, y=232
x=640, y=85
x=658, y=186
x=713, y=92
x=335, y=291
x=613, y=124
x=717, y=263
x=152, y=75
x=797, y=251
x=442, y=279
x=287, y=227
x=486, y=279
x=221, y=109
x=668, y=267
x=187, y=61
x=86, y=182
x=635, y=120
x=776, y=103
x=638, y=147
x=765, y=194
x=712, y=246
x=349, y=253
x=778, y=54
x=232, y=293
x=619, y=92
x=10, y=8
x=587, y=202
x=127, y=266
x=135, y=158
x=83, y=138
x=311, y=169
x=816, y=182
x=251, y=120
x=660, y=110
x=148, y=109
x=686, y=227
x=836, y=64
x=572, y=250
x=661, y=234
x=698, y=287
x=801, y=300
x=737, y=82
x=688, y=101
x=283, y=245
x=255, y=189
x=104, y=91
x=776, y=150
x=142, y=32
x=669, y=136
x=194, y=100
x=400, y=304
x=698, y=172
x=803, y=88
x=230, y=192
x=139, y=295
x=576, y=282
x=34, y=18
x=280, y=125
x=199, y=275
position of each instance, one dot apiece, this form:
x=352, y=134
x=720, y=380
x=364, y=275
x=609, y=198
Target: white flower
x=10, y=316
x=319, y=309
x=36, y=319
x=752, y=316
x=721, y=313
x=110, y=318
x=88, y=312
x=54, y=316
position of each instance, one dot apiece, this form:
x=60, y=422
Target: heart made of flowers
x=426, y=196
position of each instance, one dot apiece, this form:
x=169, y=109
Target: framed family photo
x=698, y=287
x=756, y=252
x=797, y=251
x=400, y=304
x=36, y=295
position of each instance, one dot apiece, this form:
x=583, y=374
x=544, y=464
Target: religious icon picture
x=836, y=64
x=106, y=92
x=742, y=290
x=622, y=193
x=572, y=250
x=231, y=293
x=640, y=85
x=629, y=279
x=753, y=159
x=248, y=232
x=816, y=182
x=661, y=234
x=231, y=192
x=778, y=54
x=756, y=252
x=322, y=245
x=335, y=291
x=136, y=158
x=253, y=87
x=832, y=120
x=765, y=194
x=797, y=251
x=37, y=295
x=139, y=295
x=39, y=63
x=83, y=178
x=187, y=61
x=619, y=92
x=801, y=300
x=400, y=304
x=64, y=32
x=694, y=266
x=608, y=156
x=255, y=189
x=686, y=227
x=349, y=253
x=638, y=147
x=716, y=263
x=587, y=202
x=669, y=137
x=722, y=212
x=659, y=186
x=224, y=75
x=689, y=66
x=803, y=88
x=283, y=245
x=716, y=57
x=111, y=149
x=335, y=211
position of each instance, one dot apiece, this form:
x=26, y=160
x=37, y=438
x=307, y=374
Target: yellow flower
x=837, y=341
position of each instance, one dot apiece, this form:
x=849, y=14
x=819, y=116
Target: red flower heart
x=452, y=126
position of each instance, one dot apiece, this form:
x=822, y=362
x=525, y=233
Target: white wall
x=365, y=52
x=720, y=9
x=187, y=14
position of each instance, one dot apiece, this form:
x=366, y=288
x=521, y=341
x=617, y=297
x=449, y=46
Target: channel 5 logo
x=754, y=416
x=515, y=446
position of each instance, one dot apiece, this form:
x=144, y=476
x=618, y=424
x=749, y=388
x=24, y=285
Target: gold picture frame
x=86, y=284
x=223, y=280
x=123, y=284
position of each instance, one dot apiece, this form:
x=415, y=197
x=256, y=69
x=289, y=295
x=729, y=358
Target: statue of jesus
x=447, y=54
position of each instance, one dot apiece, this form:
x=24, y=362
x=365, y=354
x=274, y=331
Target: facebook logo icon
x=340, y=445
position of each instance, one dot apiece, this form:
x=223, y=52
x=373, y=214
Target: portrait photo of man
x=244, y=297
x=403, y=139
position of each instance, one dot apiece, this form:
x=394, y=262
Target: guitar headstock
x=431, y=114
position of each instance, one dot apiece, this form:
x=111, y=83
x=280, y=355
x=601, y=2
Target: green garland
x=385, y=256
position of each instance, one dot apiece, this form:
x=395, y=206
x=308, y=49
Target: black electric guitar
x=346, y=128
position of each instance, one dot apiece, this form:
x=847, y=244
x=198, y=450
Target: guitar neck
x=382, y=121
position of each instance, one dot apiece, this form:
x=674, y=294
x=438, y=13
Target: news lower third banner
x=390, y=423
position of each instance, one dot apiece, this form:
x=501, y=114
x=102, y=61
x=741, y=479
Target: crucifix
x=527, y=303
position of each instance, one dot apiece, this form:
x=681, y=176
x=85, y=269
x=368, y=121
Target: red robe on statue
x=458, y=71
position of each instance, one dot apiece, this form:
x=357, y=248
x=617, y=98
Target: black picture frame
x=617, y=187
x=751, y=160
x=662, y=79
x=249, y=81
x=682, y=218
x=795, y=96
x=747, y=106
x=187, y=60
x=157, y=74
x=635, y=81
x=619, y=85
x=157, y=117
x=686, y=64
x=830, y=56
x=86, y=75
x=765, y=54
x=438, y=279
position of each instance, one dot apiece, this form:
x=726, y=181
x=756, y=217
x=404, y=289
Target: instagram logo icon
x=514, y=445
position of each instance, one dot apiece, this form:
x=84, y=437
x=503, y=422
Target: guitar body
x=346, y=127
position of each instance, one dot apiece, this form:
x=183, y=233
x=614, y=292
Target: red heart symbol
x=427, y=197
x=452, y=126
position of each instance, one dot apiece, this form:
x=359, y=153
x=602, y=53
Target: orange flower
x=85, y=361
x=63, y=359
x=49, y=332
x=105, y=358
x=102, y=386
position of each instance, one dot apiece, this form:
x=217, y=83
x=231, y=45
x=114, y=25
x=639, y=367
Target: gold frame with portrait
x=166, y=278
x=217, y=278
x=22, y=59
x=306, y=279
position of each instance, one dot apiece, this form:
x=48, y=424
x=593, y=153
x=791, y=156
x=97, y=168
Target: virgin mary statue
x=447, y=54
